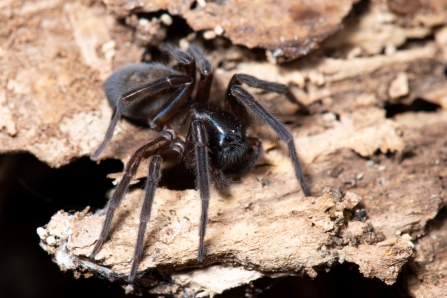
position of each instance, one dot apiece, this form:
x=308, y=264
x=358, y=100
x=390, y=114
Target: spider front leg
x=251, y=81
x=162, y=141
x=238, y=100
x=198, y=136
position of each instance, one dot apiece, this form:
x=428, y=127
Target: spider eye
x=230, y=139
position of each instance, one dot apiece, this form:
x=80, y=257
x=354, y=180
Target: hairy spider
x=209, y=139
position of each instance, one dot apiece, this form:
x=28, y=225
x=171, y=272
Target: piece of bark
x=429, y=267
x=244, y=222
x=55, y=57
x=288, y=30
x=244, y=232
x=67, y=116
x=380, y=29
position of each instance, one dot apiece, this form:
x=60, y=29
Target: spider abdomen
x=132, y=77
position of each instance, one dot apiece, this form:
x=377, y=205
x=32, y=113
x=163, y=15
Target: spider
x=211, y=140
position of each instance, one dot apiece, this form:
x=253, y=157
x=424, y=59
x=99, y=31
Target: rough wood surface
x=288, y=29
x=55, y=55
x=429, y=266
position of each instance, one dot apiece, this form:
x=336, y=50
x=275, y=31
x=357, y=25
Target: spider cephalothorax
x=209, y=139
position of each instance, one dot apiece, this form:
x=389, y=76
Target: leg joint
x=169, y=134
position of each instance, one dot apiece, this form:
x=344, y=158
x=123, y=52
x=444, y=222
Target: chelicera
x=210, y=140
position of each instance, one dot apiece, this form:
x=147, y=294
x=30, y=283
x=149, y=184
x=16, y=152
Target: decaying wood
x=56, y=54
x=288, y=29
x=429, y=266
x=244, y=232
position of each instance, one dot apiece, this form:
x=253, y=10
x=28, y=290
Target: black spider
x=209, y=139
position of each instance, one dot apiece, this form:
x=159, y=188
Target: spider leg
x=239, y=100
x=206, y=73
x=152, y=182
x=162, y=141
x=199, y=137
x=171, y=106
x=251, y=81
x=175, y=151
x=220, y=181
x=183, y=58
x=141, y=93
